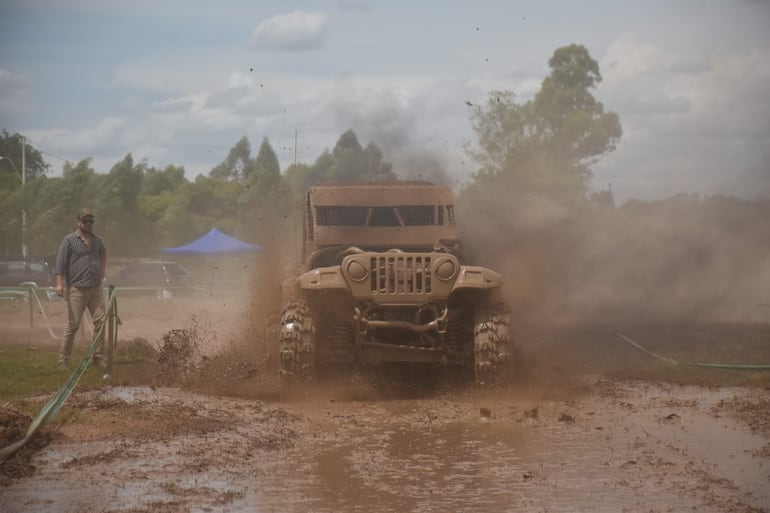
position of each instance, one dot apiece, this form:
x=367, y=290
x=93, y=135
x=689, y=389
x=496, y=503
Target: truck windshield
x=411, y=215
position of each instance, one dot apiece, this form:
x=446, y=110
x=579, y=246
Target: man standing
x=80, y=267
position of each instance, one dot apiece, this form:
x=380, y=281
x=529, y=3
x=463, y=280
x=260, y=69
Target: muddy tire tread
x=297, y=342
x=492, y=346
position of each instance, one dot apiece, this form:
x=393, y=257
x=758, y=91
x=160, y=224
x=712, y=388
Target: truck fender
x=323, y=278
x=473, y=277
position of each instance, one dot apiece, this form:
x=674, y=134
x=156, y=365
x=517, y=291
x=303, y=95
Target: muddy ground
x=562, y=440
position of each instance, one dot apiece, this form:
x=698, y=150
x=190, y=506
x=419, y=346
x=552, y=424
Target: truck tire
x=297, y=342
x=492, y=346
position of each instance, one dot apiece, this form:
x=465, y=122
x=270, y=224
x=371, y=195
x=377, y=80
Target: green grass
x=554, y=355
x=25, y=371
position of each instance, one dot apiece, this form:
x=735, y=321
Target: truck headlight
x=357, y=271
x=445, y=268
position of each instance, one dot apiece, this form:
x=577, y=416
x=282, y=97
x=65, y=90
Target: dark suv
x=20, y=273
x=162, y=278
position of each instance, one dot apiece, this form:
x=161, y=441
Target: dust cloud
x=220, y=340
x=422, y=165
x=684, y=259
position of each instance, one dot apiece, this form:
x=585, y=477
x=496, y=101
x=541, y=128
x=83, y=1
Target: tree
x=533, y=183
x=128, y=233
x=266, y=199
x=349, y=161
x=299, y=177
x=157, y=181
x=10, y=148
x=178, y=225
x=237, y=163
x=52, y=204
x=13, y=197
x=546, y=145
x=198, y=206
x=347, y=155
x=265, y=172
x=159, y=188
x=322, y=167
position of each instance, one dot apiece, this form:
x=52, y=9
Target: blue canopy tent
x=214, y=242
x=217, y=247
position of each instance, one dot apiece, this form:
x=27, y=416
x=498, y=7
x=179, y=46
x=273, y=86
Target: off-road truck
x=383, y=279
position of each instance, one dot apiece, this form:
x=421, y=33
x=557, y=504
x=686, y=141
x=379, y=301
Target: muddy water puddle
x=634, y=447
x=633, y=453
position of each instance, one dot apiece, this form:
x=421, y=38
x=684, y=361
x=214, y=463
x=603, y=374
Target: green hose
x=736, y=366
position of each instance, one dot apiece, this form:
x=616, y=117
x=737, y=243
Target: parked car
x=161, y=278
x=21, y=273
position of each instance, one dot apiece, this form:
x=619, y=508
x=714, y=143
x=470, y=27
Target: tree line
x=141, y=208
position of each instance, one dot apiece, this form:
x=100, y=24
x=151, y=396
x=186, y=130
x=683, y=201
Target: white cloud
x=85, y=142
x=173, y=105
x=628, y=59
x=690, y=64
x=172, y=73
x=421, y=125
x=701, y=127
x=295, y=31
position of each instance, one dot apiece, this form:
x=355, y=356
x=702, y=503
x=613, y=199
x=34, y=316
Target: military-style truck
x=383, y=279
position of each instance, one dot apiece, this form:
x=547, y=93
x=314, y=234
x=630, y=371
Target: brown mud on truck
x=383, y=279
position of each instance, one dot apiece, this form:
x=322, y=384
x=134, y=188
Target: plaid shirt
x=79, y=264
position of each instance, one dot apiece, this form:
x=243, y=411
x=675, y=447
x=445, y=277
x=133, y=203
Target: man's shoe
x=63, y=365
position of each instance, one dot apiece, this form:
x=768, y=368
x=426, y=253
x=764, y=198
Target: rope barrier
x=57, y=401
x=45, y=317
x=13, y=293
x=735, y=366
x=24, y=293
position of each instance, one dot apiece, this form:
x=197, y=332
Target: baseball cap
x=85, y=212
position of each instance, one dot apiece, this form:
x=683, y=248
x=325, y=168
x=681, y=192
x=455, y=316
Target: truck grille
x=400, y=274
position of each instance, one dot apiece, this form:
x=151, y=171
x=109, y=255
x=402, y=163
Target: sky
x=180, y=82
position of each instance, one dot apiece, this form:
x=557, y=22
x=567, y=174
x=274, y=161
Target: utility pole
x=23, y=210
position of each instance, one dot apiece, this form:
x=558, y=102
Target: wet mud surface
x=606, y=446
x=559, y=443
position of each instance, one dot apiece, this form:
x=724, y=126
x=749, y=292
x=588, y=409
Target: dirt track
x=584, y=444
